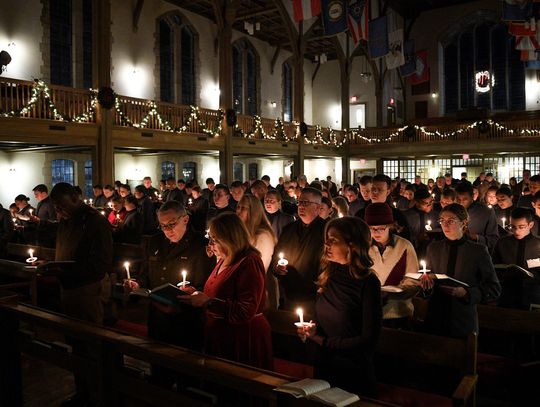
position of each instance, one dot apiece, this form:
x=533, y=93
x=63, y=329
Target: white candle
x=118, y=216
x=490, y=206
x=90, y=201
x=282, y=260
x=126, y=265
x=31, y=253
x=340, y=215
x=428, y=225
x=109, y=205
x=503, y=222
x=433, y=196
x=14, y=220
x=85, y=201
x=190, y=201
x=31, y=212
x=207, y=235
x=300, y=313
x=423, y=264
x=184, y=275
x=395, y=204
x=155, y=193
x=103, y=213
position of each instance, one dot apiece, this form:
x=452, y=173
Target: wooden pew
x=117, y=385
x=404, y=348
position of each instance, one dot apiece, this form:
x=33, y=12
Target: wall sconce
x=272, y=103
x=434, y=95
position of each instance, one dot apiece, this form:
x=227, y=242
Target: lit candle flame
x=31, y=253
x=184, y=275
x=423, y=264
x=126, y=265
x=300, y=313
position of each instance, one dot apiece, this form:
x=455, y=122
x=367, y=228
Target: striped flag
x=306, y=9
x=358, y=19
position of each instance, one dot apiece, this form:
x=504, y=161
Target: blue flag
x=334, y=14
x=409, y=67
x=520, y=11
x=378, y=37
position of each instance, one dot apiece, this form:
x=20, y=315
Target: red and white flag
x=527, y=38
x=358, y=20
x=306, y=9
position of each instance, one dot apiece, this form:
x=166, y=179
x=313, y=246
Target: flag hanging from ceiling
x=517, y=10
x=409, y=67
x=378, y=37
x=334, y=13
x=527, y=38
x=358, y=20
x=421, y=73
x=395, y=58
x=306, y=9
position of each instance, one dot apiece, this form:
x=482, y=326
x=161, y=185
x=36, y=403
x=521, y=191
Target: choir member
x=237, y=192
x=44, y=217
x=130, y=230
x=422, y=221
x=100, y=201
x=354, y=201
x=348, y=313
x=341, y=206
x=299, y=242
x=327, y=211
x=118, y=212
x=145, y=207
x=277, y=218
x=534, y=186
x=221, y=198
x=150, y=190
x=198, y=208
x=234, y=297
x=522, y=249
x=452, y=309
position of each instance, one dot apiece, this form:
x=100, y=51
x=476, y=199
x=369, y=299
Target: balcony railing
x=37, y=100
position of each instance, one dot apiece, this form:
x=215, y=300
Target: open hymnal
x=166, y=294
x=512, y=270
x=443, y=279
x=319, y=390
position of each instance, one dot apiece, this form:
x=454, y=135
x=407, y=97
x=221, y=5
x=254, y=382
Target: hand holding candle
x=31, y=259
x=425, y=280
x=184, y=283
x=282, y=260
x=503, y=222
x=301, y=325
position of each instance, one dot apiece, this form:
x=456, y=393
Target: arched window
x=245, y=78
x=63, y=171
x=238, y=172
x=287, y=92
x=189, y=171
x=61, y=45
x=168, y=170
x=65, y=45
x=483, y=46
x=88, y=179
x=176, y=41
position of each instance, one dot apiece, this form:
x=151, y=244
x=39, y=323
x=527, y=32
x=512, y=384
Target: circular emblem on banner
x=335, y=10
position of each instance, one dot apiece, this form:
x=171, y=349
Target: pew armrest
x=465, y=391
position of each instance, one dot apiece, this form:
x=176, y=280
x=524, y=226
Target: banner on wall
x=378, y=37
x=395, y=58
x=334, y=14
x=421, y=73
x=409, y=67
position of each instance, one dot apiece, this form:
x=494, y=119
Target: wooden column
x=225, y=21
x=103, y=164
x=345, y=167
x=298, y=95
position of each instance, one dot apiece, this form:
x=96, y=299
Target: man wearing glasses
x=177, y=248
x=301, y=243
x=521, y=248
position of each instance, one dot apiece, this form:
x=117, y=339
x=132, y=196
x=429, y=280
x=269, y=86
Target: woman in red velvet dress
x=234, y=297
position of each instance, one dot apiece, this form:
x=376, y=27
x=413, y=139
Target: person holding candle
x=504, y=209
x=118, y=213
x=130, y=230
x=348, y=313
x=177, y=248
x=302, y=241
x=234, y=296
x=417, y=218
x=452, y=309
x=341, y=206
x=393, y=257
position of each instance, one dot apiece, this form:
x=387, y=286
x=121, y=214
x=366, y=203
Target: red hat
x=378, y=214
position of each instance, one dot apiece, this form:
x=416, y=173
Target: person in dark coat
x=146, y=207
x=422, y=220
x=44, y=217
x=521, y=249
x=277, y=218
x=503, y=209
x=355, y=200
x=221, y=198
x=173, y=193
x=100, y=201
x=482, y=224
x=198, y=207
x=452, y=309
x=84, y=237
x=6, y=229
x=525, y=201
x=130, y=229
x=300, y=243
x=348, y=311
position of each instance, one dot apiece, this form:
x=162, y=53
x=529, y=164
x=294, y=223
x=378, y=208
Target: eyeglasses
x=306, y=203
x=378, y=230
x=171, y=225
x=448, y=222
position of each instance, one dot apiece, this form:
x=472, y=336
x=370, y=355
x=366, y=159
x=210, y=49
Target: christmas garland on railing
x=409, y=131
x=277, y=134
x=332, y=138
x=41, y=88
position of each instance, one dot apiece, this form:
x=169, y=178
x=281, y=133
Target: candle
x=190, y=201
x=503, y=222
x=126, y=265
x=395, y=204
x=490, y=206
x=159, y=197
x=433, y=196
x=31, y=259
x=184, y=274
x=14, y=220
x=155, y=193
x=428, y=225
x=31, y=212
x=31, y=253
x=340, y=215
x=282, y=261
x=103, y=213
x=423, y=264
x=90, y=202
x=85, y=201
x=109, y=205
x=300, y=313
x=207, y=235
x=118, y=216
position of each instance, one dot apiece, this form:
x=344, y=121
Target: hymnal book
x=166, y=294
x=319, y=390
x=506, y=271
x=443, y=279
